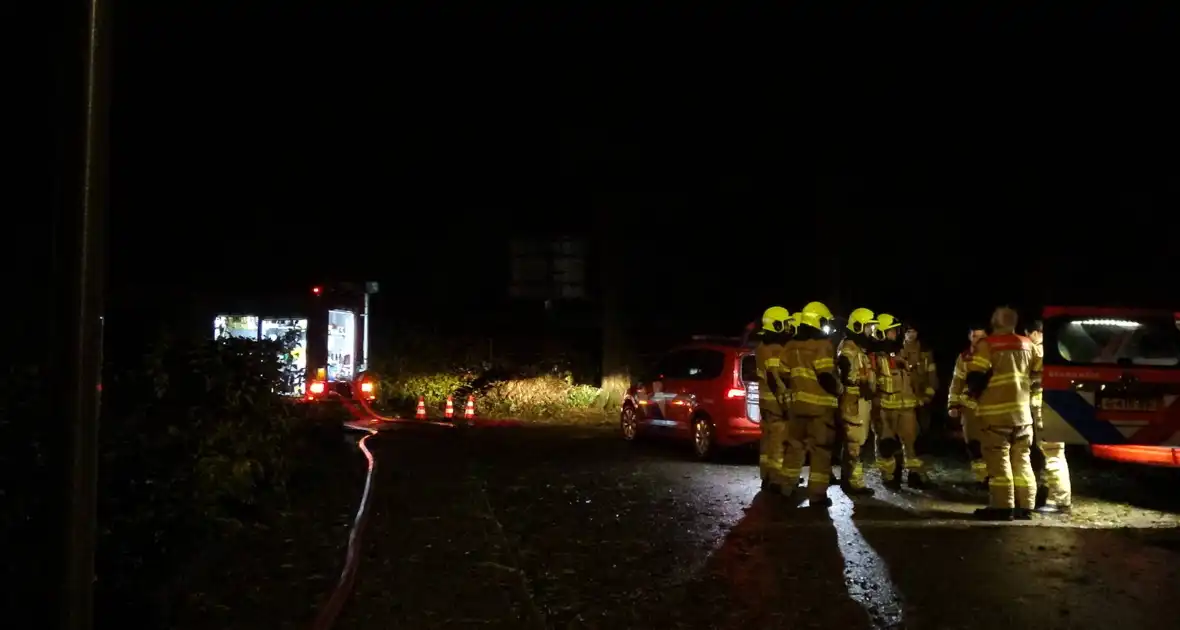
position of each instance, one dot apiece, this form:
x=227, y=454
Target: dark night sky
x=969, y=157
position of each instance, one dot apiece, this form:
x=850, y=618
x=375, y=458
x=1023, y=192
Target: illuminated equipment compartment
x=342, y=349
x=328, y=325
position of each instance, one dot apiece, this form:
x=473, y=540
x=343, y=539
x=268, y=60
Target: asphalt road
x=573, y=528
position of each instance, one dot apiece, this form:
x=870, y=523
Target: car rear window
x=1116, y=341
x=749, y=368
x=693, y=364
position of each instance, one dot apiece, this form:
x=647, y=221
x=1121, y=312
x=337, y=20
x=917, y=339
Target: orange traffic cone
x=420, y=413
x=469, y=410
x=450, y=412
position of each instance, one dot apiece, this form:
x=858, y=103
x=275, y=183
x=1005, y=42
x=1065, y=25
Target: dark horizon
x=940, y=185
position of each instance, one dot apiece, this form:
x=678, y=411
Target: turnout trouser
x=1011, y=482
x=854, y=429
x=973, y=437
x=770, y=449
x=1055, y=475
x=813, y=436
x=895, y=442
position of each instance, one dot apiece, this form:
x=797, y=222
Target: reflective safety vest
x=957, y=397
x=1015, y=368
x=894, y=384
x=768, y=359
x=807, y=359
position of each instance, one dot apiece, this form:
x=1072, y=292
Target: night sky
x=925, y=162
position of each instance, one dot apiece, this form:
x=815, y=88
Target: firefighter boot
x=995, y=514
x=1042, y=496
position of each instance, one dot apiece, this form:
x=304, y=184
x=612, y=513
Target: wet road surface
x=574, y=528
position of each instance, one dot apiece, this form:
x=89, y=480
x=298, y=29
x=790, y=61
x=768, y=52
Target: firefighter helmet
x=775, y=319
x=794, y=322
x=859, y=319
x=817, y=315
x=885, y=321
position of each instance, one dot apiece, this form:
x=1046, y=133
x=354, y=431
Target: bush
x=582, y=396
x=27, y=487
x=434, y=367
x=196, y=444
x=542, y=396
x=401, y=391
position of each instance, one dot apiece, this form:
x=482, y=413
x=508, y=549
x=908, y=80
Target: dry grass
x=540, y=397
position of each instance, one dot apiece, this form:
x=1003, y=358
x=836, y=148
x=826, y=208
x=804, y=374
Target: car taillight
x=367, y=387
x=316, y=387
x=736, y=393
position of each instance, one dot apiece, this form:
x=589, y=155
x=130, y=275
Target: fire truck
x=331, y=326
x=1112, y=381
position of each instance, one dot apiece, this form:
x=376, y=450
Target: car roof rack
x=724, y=338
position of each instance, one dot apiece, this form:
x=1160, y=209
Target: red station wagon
x=705, y=392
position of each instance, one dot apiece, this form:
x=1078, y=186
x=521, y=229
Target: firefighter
x=899, y=422
x=876, y=346
x=815, y=387
x=925, y=374
x=1055, y=474
x=856, y=373
x=961, y=407
x=774, y=393
x=1003, y=377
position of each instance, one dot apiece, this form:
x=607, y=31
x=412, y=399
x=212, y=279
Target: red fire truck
x=331, y=323
x=1112, y=381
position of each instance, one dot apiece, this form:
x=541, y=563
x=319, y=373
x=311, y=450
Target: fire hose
x=343, y=589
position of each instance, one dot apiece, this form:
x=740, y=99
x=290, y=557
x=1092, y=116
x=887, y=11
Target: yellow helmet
x=794, y=322
x=859, y=319
x=816, y=315
x=885, y=321
x=775, y=319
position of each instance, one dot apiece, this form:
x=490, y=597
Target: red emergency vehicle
x=331, y=323
x=1112, y=381
x=704, y=392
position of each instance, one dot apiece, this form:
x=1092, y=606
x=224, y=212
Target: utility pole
x=79, y=252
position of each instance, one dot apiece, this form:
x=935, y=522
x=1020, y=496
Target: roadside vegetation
x=537, y=389
x=209, y=483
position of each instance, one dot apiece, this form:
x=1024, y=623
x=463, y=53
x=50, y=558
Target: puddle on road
x=866, y=576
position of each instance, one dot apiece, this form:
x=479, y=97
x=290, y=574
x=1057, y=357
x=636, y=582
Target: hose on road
x=335, y=603
x=366, y=418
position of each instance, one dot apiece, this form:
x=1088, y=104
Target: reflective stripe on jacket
x=957, y=396
x=768, y=359
x=1015, y=368
x=806, y=360
x=894, y=384
x=860, y=369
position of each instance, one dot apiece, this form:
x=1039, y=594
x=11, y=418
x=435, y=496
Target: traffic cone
x=450, y=412
x=420, y=413
x=469, y=410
